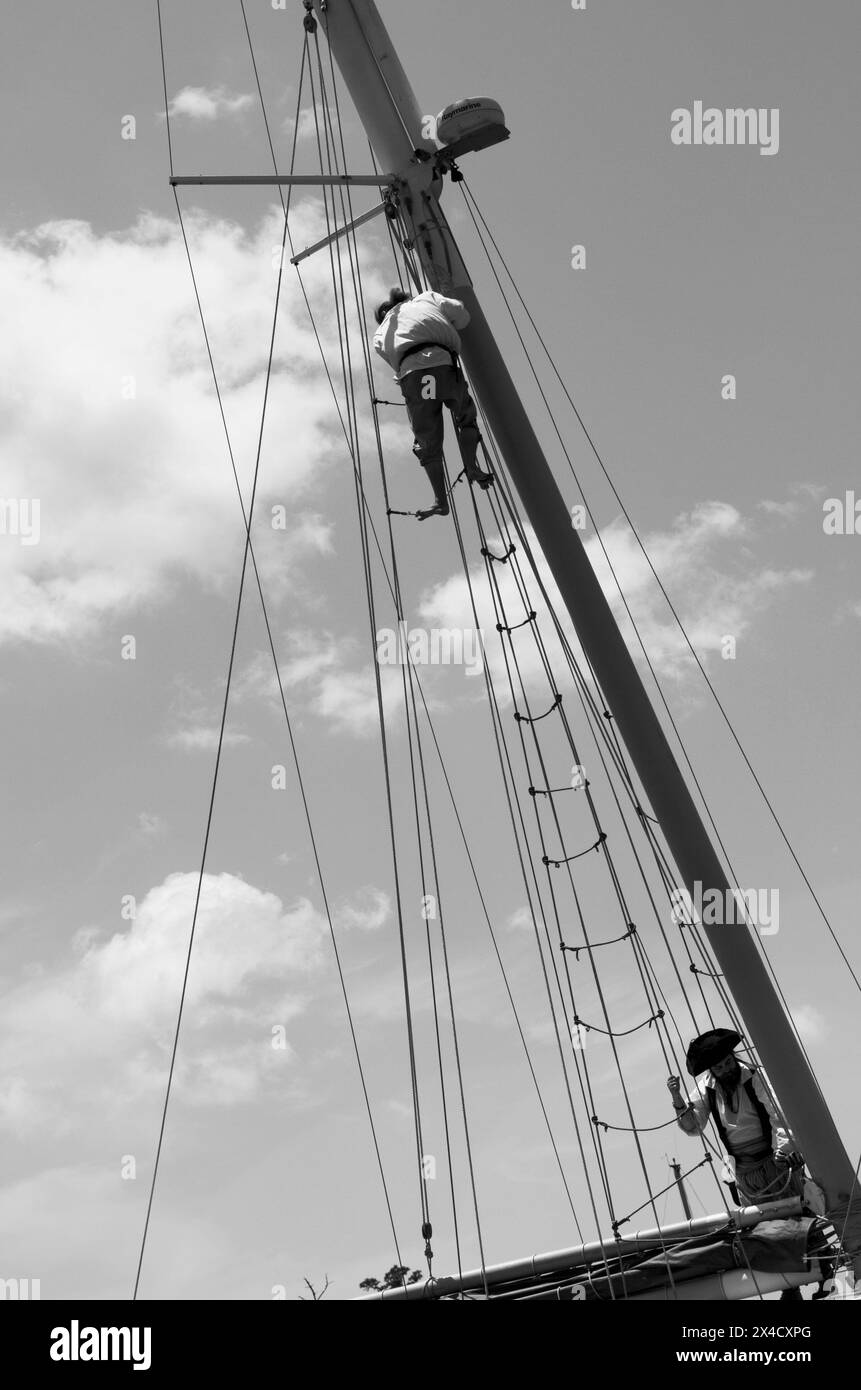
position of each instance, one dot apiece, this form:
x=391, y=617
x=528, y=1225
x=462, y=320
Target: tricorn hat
x=710, y=1048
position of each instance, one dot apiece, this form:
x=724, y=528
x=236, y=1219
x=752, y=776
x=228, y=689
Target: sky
x=701, y=261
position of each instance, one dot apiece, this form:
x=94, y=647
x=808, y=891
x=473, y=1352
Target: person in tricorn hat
x=418, y=337
x=762, y=1161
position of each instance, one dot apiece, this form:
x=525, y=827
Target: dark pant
x=766, y=1181
x=426, y=392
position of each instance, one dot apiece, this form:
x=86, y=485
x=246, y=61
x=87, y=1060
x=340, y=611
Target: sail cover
x=785, y=1247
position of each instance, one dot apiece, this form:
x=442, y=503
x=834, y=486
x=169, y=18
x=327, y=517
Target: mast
x=680, y=1184
x=393, y=120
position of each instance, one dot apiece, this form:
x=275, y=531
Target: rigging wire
x=522, y=699
x=500, y=626
x=501, y=743
x=429, y=719
x=352, y=250
x=555, y=1026
x=643, y=815
x=470, y=201
x=602, y=729
x=216, y=769
x=352, y=432
x=530, y=612
x=506, y=627
x=733, y=876
x=334, y=247
x=486, y=549
x=294, y=749
x=497, y=719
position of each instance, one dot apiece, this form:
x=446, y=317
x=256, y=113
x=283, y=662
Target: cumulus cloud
x=810, y=1023
x=197, y=721
x=94, y=1038
x=99, y=1032
x=203, y=738
x=306, y=656
x=708, y=562
x=706, y=559
x=325, y=671
x=86, y=1052
x=314, y=532
x=348, y=699
x=208, y=103
x=245, y=939
x=803, y=497
x=307, y=127
x=369, y=910
x=109, y=416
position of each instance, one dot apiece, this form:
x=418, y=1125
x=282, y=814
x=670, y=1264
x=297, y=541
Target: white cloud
x=197, y=722
x=801, y=496
x=110, y=417
x=203, y=738
x=307, y=126
x=208, y=103
x=520, y=920
x=317, y=666
x=810, y=1023
x=706, y=560
x=305, y=656
x=244, y=937
x=787, y=510
x=399, y=1108
x=98, y=1033
x=369, y=910
x=348, y=699
x=150, y=824
x=314, y=532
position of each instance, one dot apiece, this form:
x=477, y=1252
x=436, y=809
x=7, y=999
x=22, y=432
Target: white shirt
x=427, y=318
x=743, y=1130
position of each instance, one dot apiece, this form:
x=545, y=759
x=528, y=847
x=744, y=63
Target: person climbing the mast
x=418, y=337
x=762, y=1159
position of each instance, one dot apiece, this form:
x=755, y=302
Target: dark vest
x=762, y=1114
